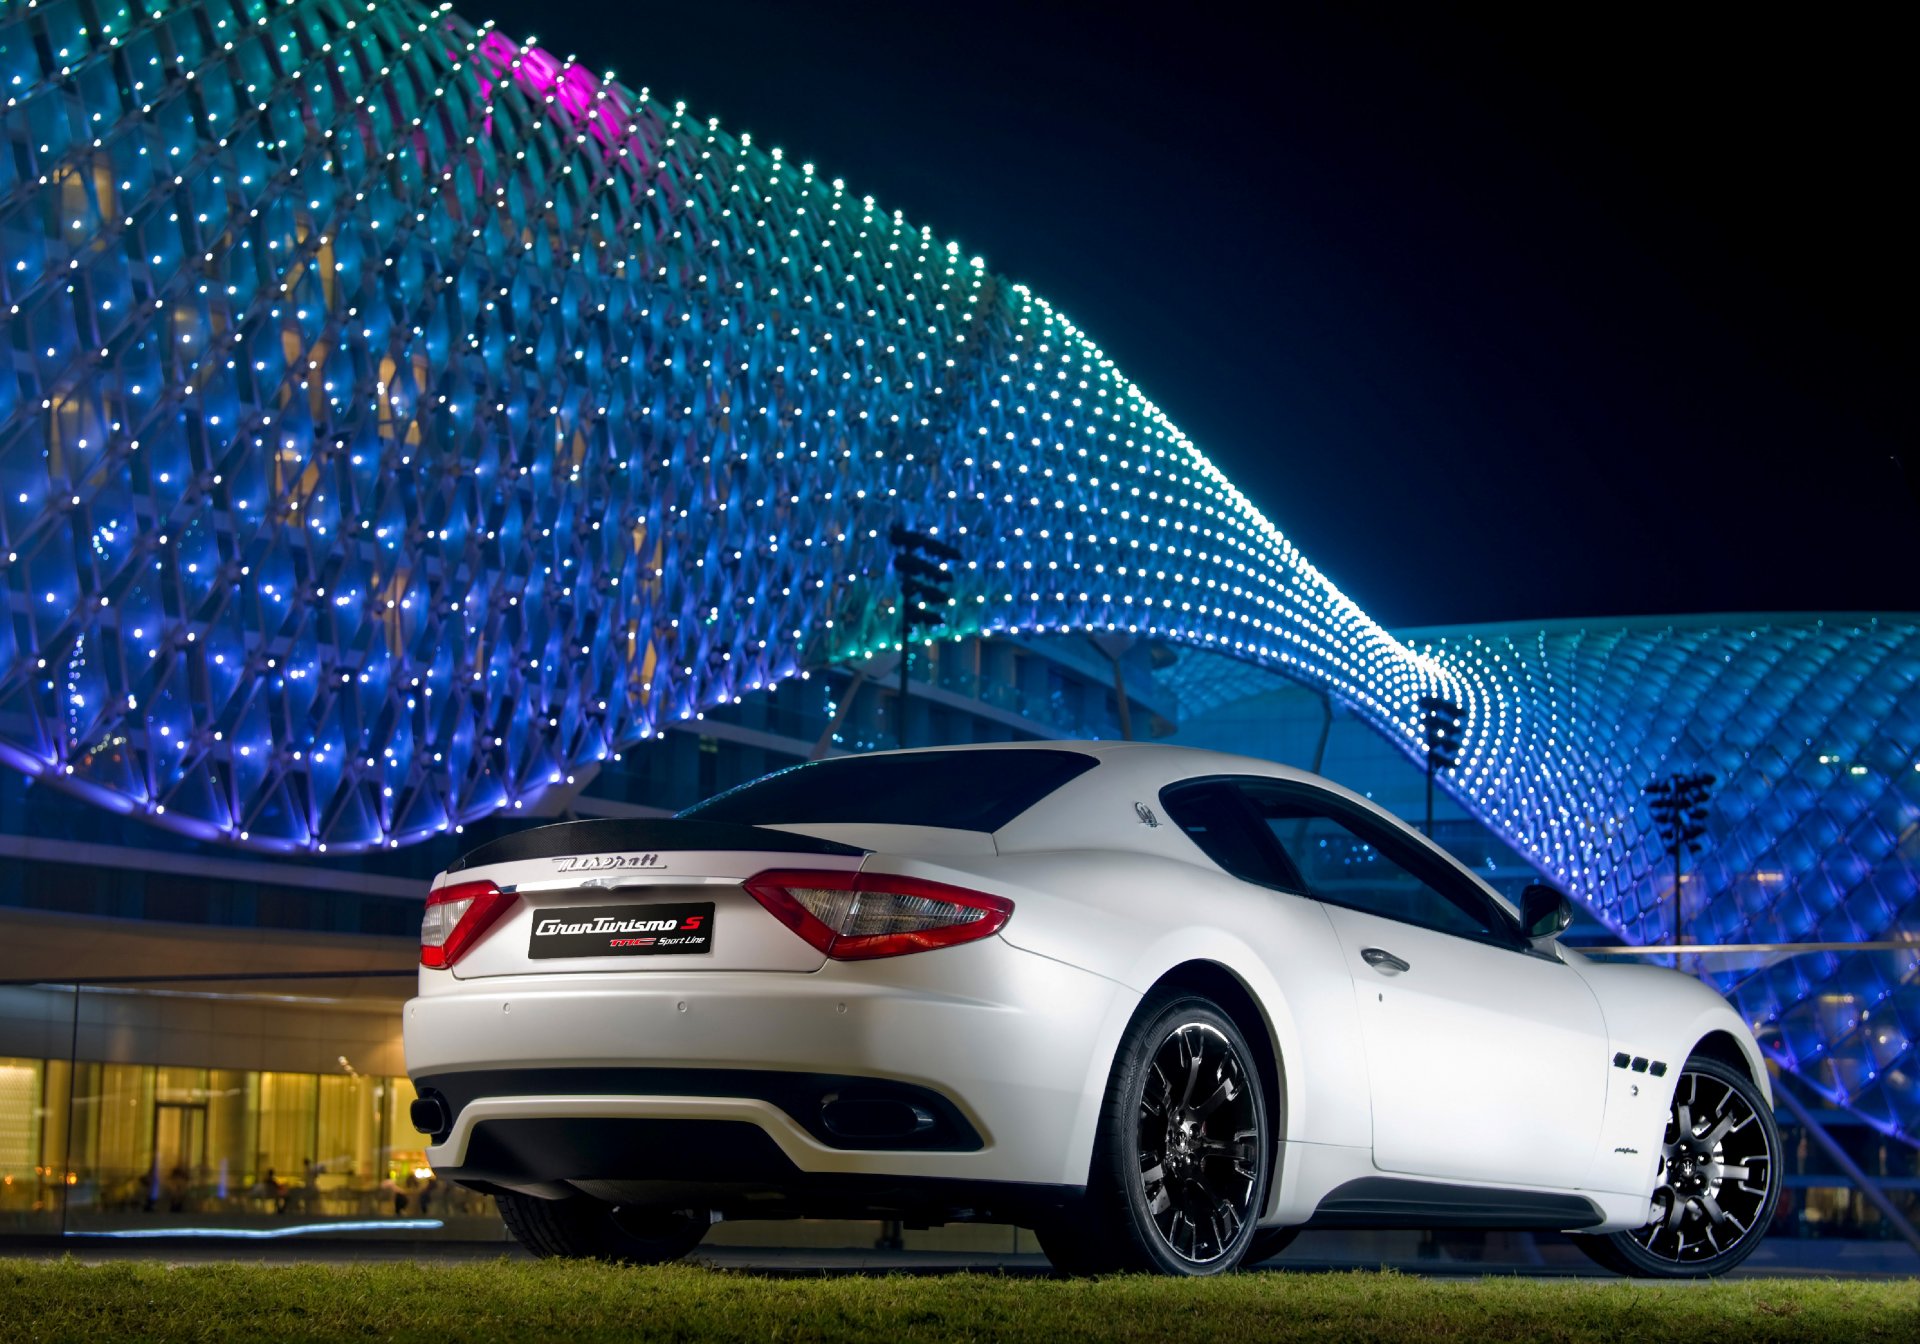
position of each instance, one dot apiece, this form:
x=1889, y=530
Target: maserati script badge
x=589, y=863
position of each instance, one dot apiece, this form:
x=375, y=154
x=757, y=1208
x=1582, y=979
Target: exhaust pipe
x=431, y=1117
x=873, y=1117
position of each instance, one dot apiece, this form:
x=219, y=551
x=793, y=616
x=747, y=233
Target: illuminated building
x=405, y=425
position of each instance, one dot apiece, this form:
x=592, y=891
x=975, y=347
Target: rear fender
x=1134, y=918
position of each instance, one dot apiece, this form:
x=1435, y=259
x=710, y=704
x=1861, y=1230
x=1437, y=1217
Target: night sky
x=1500, y=316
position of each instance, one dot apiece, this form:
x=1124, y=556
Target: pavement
x=1447, y=1257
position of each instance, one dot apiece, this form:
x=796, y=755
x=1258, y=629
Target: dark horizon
x=1590, y=322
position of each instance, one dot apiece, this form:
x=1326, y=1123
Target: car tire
x=590, y=1229
x=1719, y=1166
x=1182, y=1154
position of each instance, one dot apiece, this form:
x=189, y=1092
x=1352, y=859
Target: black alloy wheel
x=1182, y=1156
x=1198, y=1123
x=1718, y=1181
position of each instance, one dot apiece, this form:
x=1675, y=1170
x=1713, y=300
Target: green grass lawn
x=520, y=1301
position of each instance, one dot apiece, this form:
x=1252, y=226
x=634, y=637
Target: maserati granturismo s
x=1165, y=1007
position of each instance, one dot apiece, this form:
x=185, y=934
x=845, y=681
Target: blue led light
x=264, y=1233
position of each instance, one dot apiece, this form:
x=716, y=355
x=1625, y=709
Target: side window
x=1348, y=858
x=1214, y=815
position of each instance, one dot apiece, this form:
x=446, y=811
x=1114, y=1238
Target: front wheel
x=1182, y=1154
x=1719, y=1179
x=590, y=1229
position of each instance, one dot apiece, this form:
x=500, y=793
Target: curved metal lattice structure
x=399, y=418
x=1811, y=726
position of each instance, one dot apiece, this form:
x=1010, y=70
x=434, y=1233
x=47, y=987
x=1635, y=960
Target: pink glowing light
x=600, y=108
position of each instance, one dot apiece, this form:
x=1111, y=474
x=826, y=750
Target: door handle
x=1382, y=961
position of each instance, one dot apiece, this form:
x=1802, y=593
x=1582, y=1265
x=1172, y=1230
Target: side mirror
x=1544, y=912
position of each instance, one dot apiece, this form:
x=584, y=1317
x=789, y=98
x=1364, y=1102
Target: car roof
x=1145, y=761
x=1136, y=772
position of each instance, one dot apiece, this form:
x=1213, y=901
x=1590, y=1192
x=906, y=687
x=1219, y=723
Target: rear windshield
x=960, y=790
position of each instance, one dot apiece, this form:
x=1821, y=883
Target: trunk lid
x=630, y=897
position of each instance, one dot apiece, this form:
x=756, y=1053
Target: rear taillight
x=456, y=916
x=857, y=916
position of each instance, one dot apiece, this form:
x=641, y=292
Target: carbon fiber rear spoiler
x=661, y=835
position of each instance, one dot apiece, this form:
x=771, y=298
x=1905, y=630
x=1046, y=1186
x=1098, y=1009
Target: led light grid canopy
x=398, y=419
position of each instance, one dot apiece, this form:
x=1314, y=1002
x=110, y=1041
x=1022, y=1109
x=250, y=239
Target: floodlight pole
x=921, y=580
x=1679, y=810
x=906, y=656
x=1679, y=896
x=1440, y=722
x=1429, y=795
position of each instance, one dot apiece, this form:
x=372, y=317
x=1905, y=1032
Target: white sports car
x=1163, y=1006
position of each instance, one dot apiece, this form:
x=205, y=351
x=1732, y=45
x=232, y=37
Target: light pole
x=1679, y=806
x=1442, y=732
x=922, y=581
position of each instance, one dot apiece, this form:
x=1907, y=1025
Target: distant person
x=272, y=1194
x=175, y=1189
x=310, y=1184
x=427, y=1188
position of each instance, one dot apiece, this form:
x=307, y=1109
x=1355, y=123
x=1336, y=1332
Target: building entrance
x=179, y=1153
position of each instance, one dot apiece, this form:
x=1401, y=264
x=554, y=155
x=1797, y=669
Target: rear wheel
x=1719, y=1179
x=1181, y=1157
x=590, y=1229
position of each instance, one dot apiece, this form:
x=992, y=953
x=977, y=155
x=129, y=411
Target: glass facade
x=263, y=1102
x=125, y=1146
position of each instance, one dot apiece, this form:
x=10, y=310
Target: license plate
x=623, y=931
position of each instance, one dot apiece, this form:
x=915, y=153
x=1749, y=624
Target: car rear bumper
x=726, y=1080
x=738, y=1157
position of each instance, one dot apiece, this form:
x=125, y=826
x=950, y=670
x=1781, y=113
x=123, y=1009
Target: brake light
x=456, y=916
x=858, y=916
